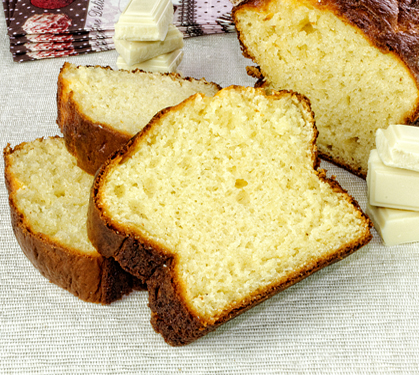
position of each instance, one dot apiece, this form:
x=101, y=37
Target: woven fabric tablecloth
x=358, y=316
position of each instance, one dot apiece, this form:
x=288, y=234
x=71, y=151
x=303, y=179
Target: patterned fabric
x=89, y=24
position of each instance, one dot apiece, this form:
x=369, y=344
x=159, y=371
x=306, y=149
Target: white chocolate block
x=145, y=20
x=166, y=63
x=136, y=52
x=392, y=187
x=398, y=146
x=395, y=226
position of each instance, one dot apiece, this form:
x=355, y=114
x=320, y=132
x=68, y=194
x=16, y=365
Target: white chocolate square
x=137, y=52
x=392, y=187
x=398, y=146
x=145, y=20
x=395, y=226
x=166, y=63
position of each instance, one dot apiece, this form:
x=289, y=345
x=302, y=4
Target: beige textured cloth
x=360, y=315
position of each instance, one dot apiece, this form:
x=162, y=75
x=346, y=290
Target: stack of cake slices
x=393, y=180
x=146, y=39
x=199, y=206
x=49, y=181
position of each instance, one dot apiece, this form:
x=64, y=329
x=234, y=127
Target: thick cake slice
x=356, y=62
x=100, y=109
x=48, y=196
x=218, y=204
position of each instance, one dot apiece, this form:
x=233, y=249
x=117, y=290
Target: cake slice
x=356, y=61
x=100, y=109
x=218, y=204
x=48, y=196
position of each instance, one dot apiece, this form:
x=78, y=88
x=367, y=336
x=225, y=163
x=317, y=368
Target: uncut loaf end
x=218, y=204
x=48, y=196
x=355, y=60
x=100, y=109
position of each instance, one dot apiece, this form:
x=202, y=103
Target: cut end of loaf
x=354, y=87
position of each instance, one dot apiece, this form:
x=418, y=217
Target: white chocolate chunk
x=392, y=187
x=166, y=63
x=145, y=20
x=137, y=52
x=395, y=226
x=398, y=146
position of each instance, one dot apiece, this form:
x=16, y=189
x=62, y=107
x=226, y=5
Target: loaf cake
x=356, y=62
x=48, y=196
x=100, y=109
x=218, y=204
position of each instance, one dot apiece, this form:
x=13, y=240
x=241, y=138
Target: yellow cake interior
x=227, y=185
x=52, y=192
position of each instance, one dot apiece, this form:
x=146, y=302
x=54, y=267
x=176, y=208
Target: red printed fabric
x=53, y=28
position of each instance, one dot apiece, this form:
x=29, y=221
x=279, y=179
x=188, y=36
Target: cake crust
x=90, y=277
x=172, y=315
x=135, y=254
x=89, y=141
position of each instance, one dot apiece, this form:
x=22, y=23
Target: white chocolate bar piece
x=166, y=63
x=145, y=20
x=392, y=187
x=398, y=146
x=395, y=226
x=136, y=52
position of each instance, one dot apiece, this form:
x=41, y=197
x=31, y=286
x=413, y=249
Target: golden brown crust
x=91, y=278
x=172, y=315
x=254, y=71
x=89, y=141
x=135, y=255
